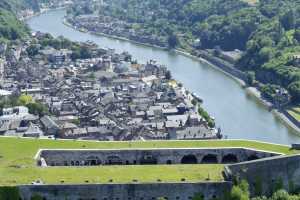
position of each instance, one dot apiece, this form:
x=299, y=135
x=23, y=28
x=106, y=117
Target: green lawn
x=17, y=164
x=294, y=112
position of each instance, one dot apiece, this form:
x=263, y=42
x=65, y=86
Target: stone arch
x=189, y=159
x=252, y=157
x=210, y=159
x=230, y=158
x=114, y=160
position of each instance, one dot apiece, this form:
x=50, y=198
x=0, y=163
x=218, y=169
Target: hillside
x=10, y=27
x=15, y=5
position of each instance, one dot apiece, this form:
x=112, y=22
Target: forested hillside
x=10, y=27
x=268, y=31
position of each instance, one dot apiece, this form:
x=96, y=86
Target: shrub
x=9, y=193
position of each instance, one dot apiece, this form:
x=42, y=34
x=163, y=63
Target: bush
x=280, y=195
x=240, y=191
x=9, y=193
x=36, y=197
x=206, y=116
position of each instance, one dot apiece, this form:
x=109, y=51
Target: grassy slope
x=294, y=112
x=17, y=165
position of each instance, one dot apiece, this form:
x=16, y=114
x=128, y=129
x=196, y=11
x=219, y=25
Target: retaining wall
x=171, y=191
x=266, y=175
x=148, y=156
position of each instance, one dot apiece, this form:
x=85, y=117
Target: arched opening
x=72, y=163
x=114, y=160
x=210, y=159
x=253, y=157
x=230, y=158
x=169, y=162
x=189, y=159
x=77, y=163
x=148, y=160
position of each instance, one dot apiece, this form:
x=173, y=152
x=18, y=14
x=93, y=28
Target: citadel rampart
x=262, y=169
x=151, y=191
x=265, y=175
x=149, y=156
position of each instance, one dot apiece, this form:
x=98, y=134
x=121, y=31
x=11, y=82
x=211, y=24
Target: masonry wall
x=152, y=156
x=265, y=175
x=172, y=191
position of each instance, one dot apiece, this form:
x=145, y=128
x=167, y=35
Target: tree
x=297, y=35
x=240, y=191
x=280, y=195
x=32, y=50
x=168, y=75
x=206, y=116
x=173, y=41
x=25, y=99
x=288, y=20
x=294, y=89
x=250, y=77
x=198, y=197
x=37, y=108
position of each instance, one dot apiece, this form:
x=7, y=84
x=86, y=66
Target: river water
x=238, y=114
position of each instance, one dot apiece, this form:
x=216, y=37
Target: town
x=55, y=88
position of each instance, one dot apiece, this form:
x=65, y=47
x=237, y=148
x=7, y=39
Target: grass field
x=17, y=164
x=294, y=112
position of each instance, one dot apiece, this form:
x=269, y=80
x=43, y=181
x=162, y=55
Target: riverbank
x=42, y=11
x=182, y=52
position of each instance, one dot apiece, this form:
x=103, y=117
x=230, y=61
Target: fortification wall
x=172, y=191
x=149, y=156
x=266, y=175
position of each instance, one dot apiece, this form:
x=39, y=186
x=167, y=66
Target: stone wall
x=148, y=156
x=266, y=175
x=172, y=191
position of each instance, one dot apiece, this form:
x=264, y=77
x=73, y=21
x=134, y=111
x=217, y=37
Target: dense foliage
x=34, y=107
x=10, y=27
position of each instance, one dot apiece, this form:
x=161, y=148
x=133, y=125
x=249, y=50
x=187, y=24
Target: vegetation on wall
x=9, y=193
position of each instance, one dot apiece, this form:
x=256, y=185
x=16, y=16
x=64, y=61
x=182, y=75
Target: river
x=238, y=114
